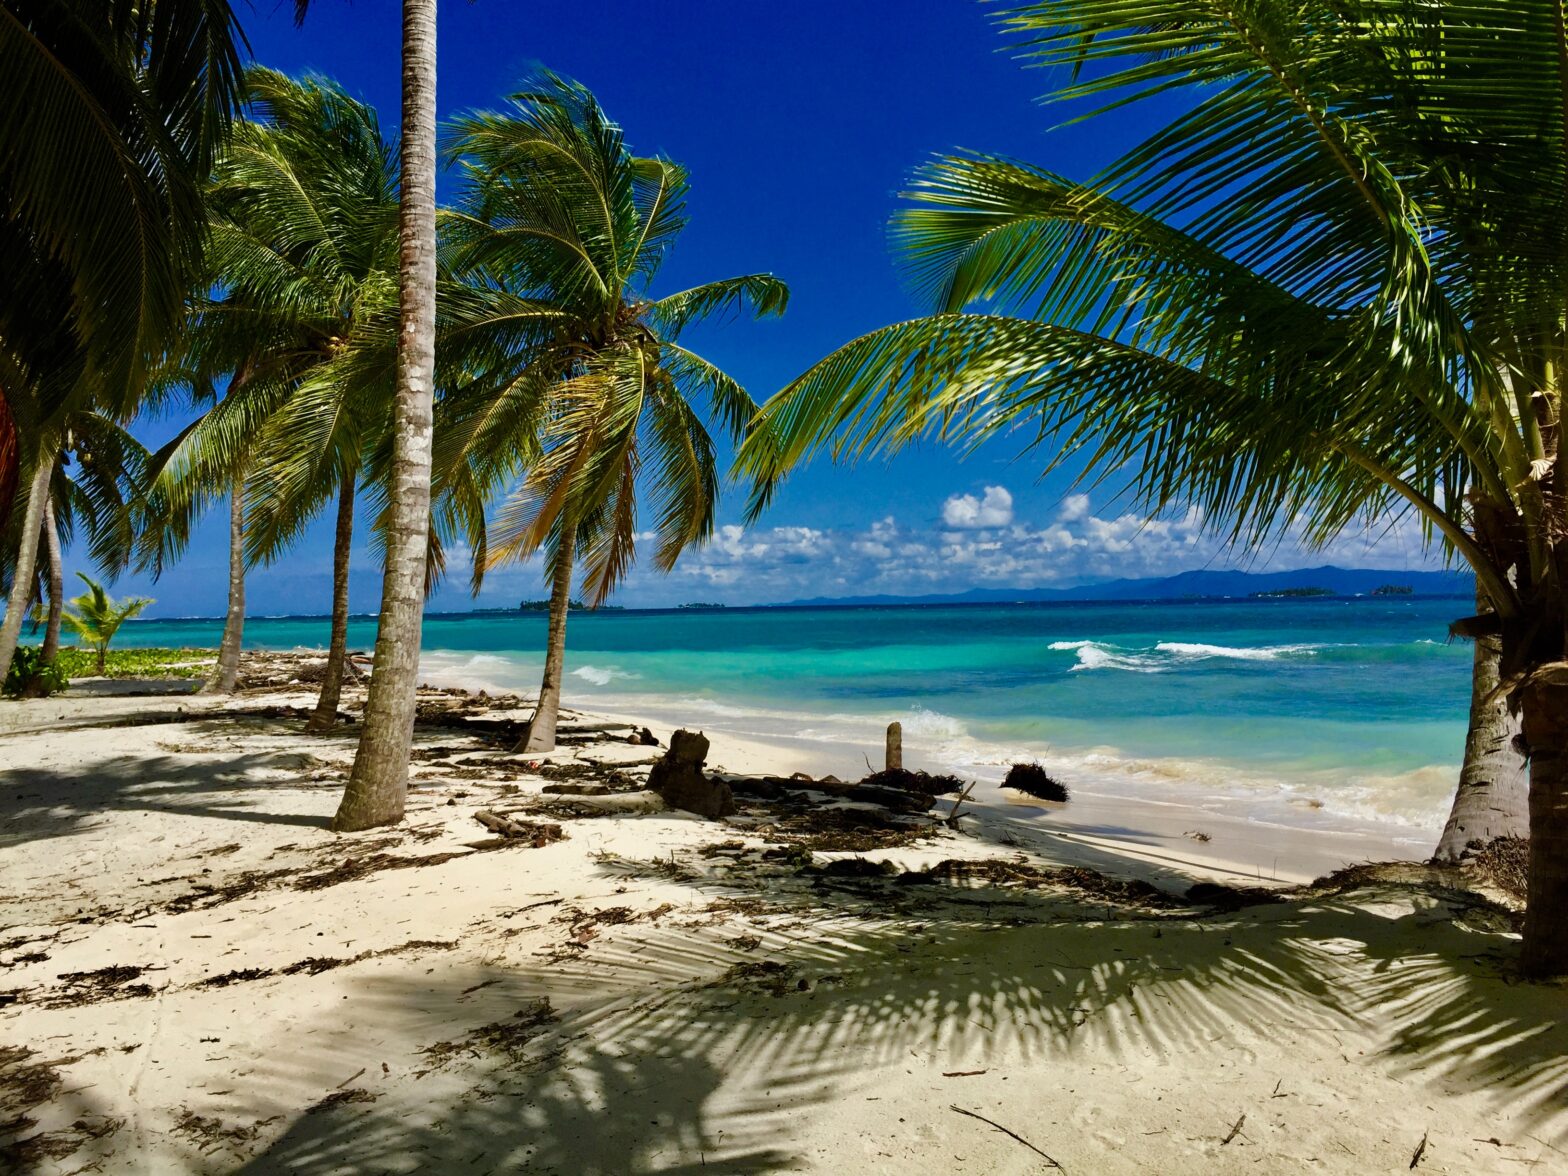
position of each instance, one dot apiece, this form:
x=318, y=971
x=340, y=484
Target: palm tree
x=111, y=115
x=304, y=235
x=102, y=503
x=1493, y=796
x=561, y=230
x=110, y=119
x=378, y=785
x=98, y=616
x=1330, y=289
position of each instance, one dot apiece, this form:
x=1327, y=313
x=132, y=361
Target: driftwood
x=540, y=833
x=643, y=801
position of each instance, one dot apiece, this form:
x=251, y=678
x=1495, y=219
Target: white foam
x=476, y=671
x=1168, y=655
x=1099, y=655
x=602, y=675
x=1195, y=652
x=929, y=724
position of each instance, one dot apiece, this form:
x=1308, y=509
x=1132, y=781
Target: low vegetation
x=134, y=663
x=30, y=673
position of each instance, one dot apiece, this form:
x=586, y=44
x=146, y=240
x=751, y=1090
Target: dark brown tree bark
x=226, y=674
x=326, y=712
x=547, y=712
x=1545, y=726
x=378, y=785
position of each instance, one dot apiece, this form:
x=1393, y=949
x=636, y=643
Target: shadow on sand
x=38, y=802
x=674, y=1052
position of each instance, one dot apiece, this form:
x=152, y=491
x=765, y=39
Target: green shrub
x=30, y=675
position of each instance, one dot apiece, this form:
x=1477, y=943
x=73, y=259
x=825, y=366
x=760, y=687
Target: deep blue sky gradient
x=799, y=124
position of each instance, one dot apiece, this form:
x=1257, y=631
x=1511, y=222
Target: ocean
x=1351, y=708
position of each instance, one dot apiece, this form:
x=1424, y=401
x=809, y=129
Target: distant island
x=1282, y=593
x=1201, y=585
x=702, y=604
x=571, y=606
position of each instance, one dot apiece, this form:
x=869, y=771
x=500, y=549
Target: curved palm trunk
x=56, y=584
x=378, y=785
x=541, y=728
x=326, y=712
x=226, y=675
x=25, y=572
x=1493, y=798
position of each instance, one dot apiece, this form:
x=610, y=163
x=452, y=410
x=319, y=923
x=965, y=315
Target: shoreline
x=1272, y=717
x=1262, y=833
x=1229, y=838
x=1266, y=834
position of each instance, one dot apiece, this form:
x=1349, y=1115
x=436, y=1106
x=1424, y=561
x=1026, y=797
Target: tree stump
x=678, y=778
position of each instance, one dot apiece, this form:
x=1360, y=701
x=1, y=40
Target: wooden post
x=895, y=747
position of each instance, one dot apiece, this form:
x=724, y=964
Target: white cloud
x=1074, y=506
x=977, y=541
x=965, y=512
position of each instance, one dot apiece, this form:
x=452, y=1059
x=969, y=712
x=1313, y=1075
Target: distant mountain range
x=1197, y=585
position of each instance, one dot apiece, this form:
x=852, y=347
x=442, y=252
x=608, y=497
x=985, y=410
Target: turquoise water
x=1359, y=703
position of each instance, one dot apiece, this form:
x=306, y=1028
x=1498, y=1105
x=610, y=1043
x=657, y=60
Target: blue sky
x=799, y=124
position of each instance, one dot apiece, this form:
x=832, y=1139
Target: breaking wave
x=602, y=675
x=1169, y=655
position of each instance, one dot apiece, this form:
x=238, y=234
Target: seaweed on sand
x=1504, y=862
x=1079, y=879
x=507, y=1039
x=844, y=829
x=25, y=1084
x=1033, y=780
x=920, y=783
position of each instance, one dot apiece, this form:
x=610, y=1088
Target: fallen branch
x=1234, y=1131
x=349, y=1079
x=952, y=817
x=1420, y=1150
x=1005, y=1131
x=644, y=801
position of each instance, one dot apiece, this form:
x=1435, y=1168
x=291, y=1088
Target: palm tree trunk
x=24, y=573
x=541, y=728
x=1493, y=798
x=326, y=712
x=56, y=584
x=378, y=785
x=1545, y=711
x=226, y=675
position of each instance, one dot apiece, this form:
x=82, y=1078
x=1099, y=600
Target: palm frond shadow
x=675, y=1048
x=39, y=802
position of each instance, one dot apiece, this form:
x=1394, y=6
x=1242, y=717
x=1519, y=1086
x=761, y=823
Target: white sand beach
x=196, y=975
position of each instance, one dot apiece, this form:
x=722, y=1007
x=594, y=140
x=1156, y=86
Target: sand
x=196, y=975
